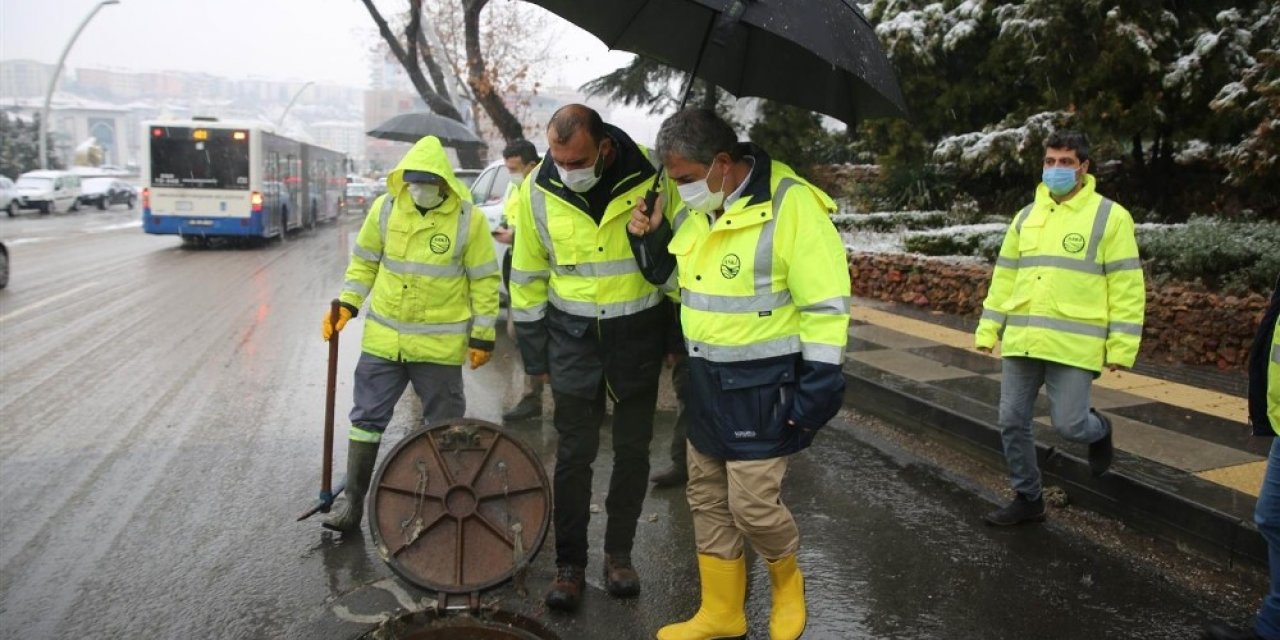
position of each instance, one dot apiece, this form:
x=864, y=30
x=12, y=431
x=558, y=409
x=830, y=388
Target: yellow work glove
x=478, y=357
x=327, y=329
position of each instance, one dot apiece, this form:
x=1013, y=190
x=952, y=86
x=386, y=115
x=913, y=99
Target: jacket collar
x=1076, y=203
x=631, y=167
x=759, y=185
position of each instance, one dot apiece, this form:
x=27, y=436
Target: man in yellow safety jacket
x=424, y=262
x=1066, y=299
x=764, y=293
x=1264, y=415
x=586, y=316
x=520, y=158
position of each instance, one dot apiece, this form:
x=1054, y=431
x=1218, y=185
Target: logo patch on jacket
x=1073, y=243
x=730, y=266
x=440, y=243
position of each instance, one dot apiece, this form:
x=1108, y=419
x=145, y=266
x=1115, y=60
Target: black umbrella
x=411, y=127
x=822, y=55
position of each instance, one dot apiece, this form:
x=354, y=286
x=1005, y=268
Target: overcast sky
x=324, y=41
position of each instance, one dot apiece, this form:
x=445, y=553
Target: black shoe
x=1223, y=631
x=1018, y=511
x=529, y=406
x=677, y=475
x=620, y=578
x=1101, y=452
x=566, y=590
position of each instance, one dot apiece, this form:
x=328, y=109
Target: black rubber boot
x=1018, y=511
x=529, y=407
x=1102, y=451
x=361, y=456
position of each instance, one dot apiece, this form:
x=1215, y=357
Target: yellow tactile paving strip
x=1246, y=477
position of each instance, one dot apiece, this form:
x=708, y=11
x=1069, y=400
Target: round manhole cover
x=459, y=507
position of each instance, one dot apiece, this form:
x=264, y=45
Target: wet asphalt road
x=162, y=413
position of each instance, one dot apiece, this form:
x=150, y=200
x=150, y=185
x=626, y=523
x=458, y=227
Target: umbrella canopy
x=411, y=127
x=822, y=55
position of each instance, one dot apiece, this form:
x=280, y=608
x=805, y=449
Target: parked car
x=8, y=196
x=4, y=266
x=467, y=176
x=49, y=191
x=104, y=192
x=356, y=198
x=489, y=192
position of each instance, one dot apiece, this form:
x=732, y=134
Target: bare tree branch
x=478, y=78
x=435, y=101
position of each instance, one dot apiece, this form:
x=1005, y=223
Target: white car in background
x=489, y=191
x=49, y=191
x=8, y=196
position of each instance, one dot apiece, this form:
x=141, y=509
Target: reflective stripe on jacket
x=1068, y=284
x=764, y=291
x=431, y=280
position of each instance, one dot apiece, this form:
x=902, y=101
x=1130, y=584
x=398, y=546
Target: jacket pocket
x=1075, y=311
x=561, y=229
x=755, y=400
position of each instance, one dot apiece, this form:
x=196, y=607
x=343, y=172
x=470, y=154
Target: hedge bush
x=889, y=221
x=1233, y=257
x=1227, y=256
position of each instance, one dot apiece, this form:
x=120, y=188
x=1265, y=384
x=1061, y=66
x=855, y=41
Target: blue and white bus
x=206, y=178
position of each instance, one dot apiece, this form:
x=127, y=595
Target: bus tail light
x=255, y=201
x=146, y=198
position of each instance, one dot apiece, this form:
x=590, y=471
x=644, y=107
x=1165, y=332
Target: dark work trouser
x=578, y=421
x=680, y=433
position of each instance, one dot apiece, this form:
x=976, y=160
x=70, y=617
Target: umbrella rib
x=614, y=40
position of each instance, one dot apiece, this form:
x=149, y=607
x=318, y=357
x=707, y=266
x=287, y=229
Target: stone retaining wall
x=1185, y=323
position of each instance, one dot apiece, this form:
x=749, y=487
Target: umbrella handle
x=650, y=200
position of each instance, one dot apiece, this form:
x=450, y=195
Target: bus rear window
x=199, y=158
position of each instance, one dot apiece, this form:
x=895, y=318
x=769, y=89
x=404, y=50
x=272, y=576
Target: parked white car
x=8, y=196
x=489, y=191
x=49, y=191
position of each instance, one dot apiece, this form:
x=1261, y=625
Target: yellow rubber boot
x=787, y=618
x=724, y=592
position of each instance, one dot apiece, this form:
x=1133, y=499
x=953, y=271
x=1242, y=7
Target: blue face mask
x=1060, y=180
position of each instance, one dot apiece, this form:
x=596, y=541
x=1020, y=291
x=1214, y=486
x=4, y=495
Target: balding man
x=586, y=316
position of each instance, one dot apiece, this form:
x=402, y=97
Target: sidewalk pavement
x=1186, y=467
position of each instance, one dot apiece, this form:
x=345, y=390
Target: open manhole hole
x=456, y=510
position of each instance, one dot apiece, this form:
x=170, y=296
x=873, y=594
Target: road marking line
x=50, y=300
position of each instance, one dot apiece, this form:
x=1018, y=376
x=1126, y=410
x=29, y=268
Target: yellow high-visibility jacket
x=430, y=279
x=583, y=311
x=1068, y=284
x=564, y=258
x=764, y=305
x=1264, y=371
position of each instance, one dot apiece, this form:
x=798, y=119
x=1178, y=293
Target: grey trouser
x=1068, y=391
x=380, y=382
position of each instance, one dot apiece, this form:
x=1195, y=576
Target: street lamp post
x=296, y=95
x=53, y=82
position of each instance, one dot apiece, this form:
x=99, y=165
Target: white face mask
x=516, y=176
x=698, y=195
x=581, y=180
x=427, y=196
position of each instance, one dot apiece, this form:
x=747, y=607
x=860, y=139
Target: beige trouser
x=732, y=499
